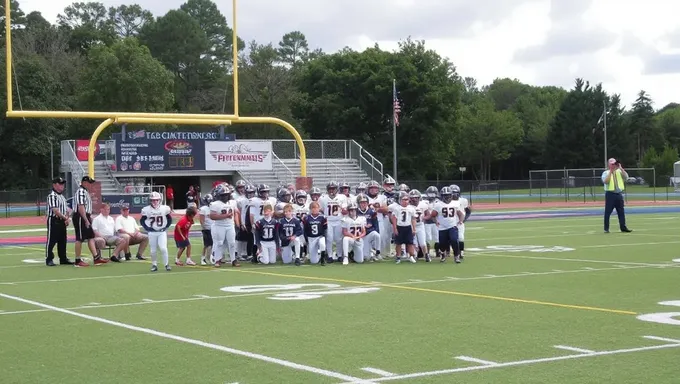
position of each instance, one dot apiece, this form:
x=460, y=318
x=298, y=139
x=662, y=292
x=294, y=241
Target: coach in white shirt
x=127, y=228
x=105, y=234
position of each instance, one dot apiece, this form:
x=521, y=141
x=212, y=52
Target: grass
x=506, y=304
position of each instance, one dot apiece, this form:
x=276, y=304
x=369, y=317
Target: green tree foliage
x=642, y=125
x=293, y=49
x=88, y=24
x=128, y=20
x=125, y=77
x=661, y=162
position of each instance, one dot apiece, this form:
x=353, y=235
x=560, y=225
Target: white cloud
x=626, y=44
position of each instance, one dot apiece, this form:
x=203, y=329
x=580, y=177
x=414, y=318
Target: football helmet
x=332, y=189
x=206, y=199
x=404, y=188
x=345, y=188
x=284, y=195
x=373, y=189
x=155, y=199
x=455, y=192
x=431, y=193
x=352, y=210
x=415, y=196
x=301, y=197
x=263, y=191
x=388, y=183
x=250, y=191
x=360, y=188
x=315, y=193
x=446, y=195
x=403, y=198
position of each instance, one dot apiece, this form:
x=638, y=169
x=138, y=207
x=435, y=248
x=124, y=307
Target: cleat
x=398, y=260
x=428, y=259
x=50, y=263
x=456, y=259
x=203, y=262
x=154, y=268
x=297, y=262
x=442, y=258
x=167, y=268
x=322, y=261
x=190, y=262
x=412, y=259
x=235, y=264
x=345, y=261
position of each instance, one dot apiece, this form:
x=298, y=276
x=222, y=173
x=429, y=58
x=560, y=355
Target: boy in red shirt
x=182, y=236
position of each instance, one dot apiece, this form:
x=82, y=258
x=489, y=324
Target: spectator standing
x=191, y=197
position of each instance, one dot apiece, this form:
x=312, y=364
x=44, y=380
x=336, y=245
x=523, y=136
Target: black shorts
x=83, y=233
x=404, y=236
x=207, y=238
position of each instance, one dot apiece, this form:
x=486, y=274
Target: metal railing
x=367, y=162
x=338, y=173
x=290, y=175
x=71, y=162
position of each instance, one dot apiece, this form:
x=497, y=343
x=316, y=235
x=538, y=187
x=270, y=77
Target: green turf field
x=535, y=301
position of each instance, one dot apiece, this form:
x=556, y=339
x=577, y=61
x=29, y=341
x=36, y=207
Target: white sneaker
x=203, y=262
x=345, y=260
x=190, y=262
x=412, y=259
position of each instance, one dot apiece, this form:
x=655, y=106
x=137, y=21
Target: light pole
x=462, y=171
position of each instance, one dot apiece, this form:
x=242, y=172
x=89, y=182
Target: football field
x=535, y=301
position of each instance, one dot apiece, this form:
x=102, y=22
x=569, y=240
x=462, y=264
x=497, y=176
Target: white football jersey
x=354, y=226
x=242, y=205
x=380, y=199
x=447, y=215
x=403, y=214
x=221, y=207
x=463, y=203
x=421, y=208
x=156, y=218
x=301, y=210
x=257, y=207
x=332, y=207
x=205, y=212
x=351, y=199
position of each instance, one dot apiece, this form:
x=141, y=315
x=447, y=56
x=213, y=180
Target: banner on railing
x=83, y=146
x=134, y=201
x=238, y=156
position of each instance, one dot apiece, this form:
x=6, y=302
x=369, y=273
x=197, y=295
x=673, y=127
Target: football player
x=226, y=218
x=247, y=225
x=465, y=206
x=315, y=231
x=290, y=234
x=242, y=201
x=448, y=214
x=361, y=188
x=240, y=190
x=314, y=194
x=156, y=219
x=266, y=236
x=258, y=202
x=404, y=226
x=372, y=239
x=284, y=198
x=333, y=204
x=346, y=190
x=431, y=231
x=206, y=226
x=422, y=212
x=353, y=231
x=389, y=198
x=300, y=210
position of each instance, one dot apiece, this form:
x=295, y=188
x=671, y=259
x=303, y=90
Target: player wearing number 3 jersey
x=156, y=220
x=404, y=226
x=333, y=204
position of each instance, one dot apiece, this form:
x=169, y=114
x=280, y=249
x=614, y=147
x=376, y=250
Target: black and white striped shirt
x=56, y=200
x=83, y=198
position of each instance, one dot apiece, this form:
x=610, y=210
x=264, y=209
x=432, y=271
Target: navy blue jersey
x=371, y=218
x=315, y=226
x=390, y=196
x=288, y=228
x=266, y=230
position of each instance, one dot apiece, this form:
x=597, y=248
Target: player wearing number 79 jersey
x=156, y=220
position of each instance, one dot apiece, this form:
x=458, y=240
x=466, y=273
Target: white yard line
x=527, y=362
x=496, y=254
x=378, y=372
x=665, y=339
x=233, y=351
x=476, y=360
x=573, y=349
x=373, y=284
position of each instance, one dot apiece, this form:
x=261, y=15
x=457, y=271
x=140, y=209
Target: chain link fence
x=22, y=203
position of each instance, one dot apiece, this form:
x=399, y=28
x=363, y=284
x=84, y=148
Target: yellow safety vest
x=619, y=180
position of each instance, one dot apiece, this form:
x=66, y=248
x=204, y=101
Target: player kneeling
x=404, y=226
x=315, y=231
x=372, y=239
x=290, y=232
x=266, y=236
x=353, y=230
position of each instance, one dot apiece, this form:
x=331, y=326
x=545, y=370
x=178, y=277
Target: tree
x=219, y=35
x=125, y=77
x=642, y=125
x=88, y=24
x=505, y=92
x=668, y=122
x=661, y=162
x=489, y=135
x=293, y=49
x=17, y=17
x=128, y=20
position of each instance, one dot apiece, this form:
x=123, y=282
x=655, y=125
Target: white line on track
x=476, y=360
x=233, y=351
x=527, y=362
x=374, y=284
x=573, y=349
x=378, y=372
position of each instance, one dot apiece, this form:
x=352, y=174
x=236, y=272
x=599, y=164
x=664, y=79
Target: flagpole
x=605, y=133
x=394, y=129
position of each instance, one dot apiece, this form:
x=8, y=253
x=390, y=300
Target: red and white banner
x=82, y=147
x=238, y=155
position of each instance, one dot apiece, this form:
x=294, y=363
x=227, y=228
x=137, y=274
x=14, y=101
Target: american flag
x=396, y=106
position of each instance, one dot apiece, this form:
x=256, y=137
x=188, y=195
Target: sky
x=627, y=45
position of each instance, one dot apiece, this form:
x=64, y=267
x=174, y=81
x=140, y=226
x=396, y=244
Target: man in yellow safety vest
x=614, y=180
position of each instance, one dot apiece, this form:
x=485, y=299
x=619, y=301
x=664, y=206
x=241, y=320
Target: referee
x=82, y=223
x=57, y=221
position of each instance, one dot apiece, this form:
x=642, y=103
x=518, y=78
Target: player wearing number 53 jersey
x=333, y=204
x=449, y=215
x=156, y=220
x=315, y=227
